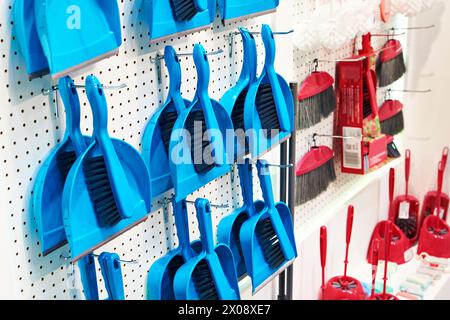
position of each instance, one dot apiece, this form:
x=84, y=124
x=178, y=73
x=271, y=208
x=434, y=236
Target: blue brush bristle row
x=269, y=243
x=203, y=282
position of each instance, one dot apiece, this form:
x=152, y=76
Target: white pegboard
x=31, y=125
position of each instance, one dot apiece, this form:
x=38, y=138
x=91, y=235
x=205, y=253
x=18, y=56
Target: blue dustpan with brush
x=199, y=152
x=267, y=238
x=108, y=188
x=28, y=39
x=234, y=99
x=156, y=139
x=269, y=104
x=229, y=227
x=211, y=274
x=233, y=9
x=74, y=34
x=112, y=275
x=162, y=272
x=50, y=180
x=167, y=18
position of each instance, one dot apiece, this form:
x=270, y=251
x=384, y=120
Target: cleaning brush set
x=391, y=63
x=57, y=38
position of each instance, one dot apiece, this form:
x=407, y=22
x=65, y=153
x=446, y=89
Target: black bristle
x=408, y=226
x=327, y=102
x=390, y=71
x=100, y=192
x=172, y=268
x=166, y=122
x=313, y=183
x=267, y=109
x=237, y=229
x=270, y=245
x=315, y=108
x=393, y=151
x=203, y=282
x=198, y=145
x=65, y=160
x=393, y=125
x=367, y=106
x=183, y=10
x=237, y=116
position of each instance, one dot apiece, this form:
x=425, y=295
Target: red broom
x=391, y=117
x=391, y=63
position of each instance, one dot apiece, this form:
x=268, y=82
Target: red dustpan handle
x=437, y=204
x=391, y=193
x=444, y=158
x=350, y=213
x=407, y=170
x=387, y=239
x=375, y=258
x=323, y=254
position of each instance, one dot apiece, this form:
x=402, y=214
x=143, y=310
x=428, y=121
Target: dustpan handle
x=182, y=223
x=174, y=69
x=348, y=235
x=407, y=170
x=437, y=204
x=444, y=158
x=391, y=193
x=205, y=224
x=265, y=182
x=88, y=273
x=246, y=177
x=249, y=64
x=112, y=274
x=375, y=259
x=323, y=253
x=71, y=101
x=387, y=249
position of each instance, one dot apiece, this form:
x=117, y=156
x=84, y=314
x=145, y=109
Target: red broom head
x=391, y=50
x=315, y=158
x=314, y=84
x=390, y=109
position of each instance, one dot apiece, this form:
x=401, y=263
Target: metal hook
x=341, y=60
x=159, y=57
x=431, y=26
x=218, y=206
x=389, y=35
x=281, y=166
x=334, y=137
x=411, y=91
x=122, y=261
x=47, y=92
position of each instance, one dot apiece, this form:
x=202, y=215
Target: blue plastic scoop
x=233, y=9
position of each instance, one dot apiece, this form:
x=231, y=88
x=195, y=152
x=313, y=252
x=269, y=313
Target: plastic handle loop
x=249, y=65
x=350, y=213
x=88, y=273
x=205, y=224
x=407, y=169
x=174, y=69
x=391, y=191
x=375, y=259
x=246, y=177
x=182, y=223
x=323, y=252
x=265, y=181
x=444, y=159
x=387, y=239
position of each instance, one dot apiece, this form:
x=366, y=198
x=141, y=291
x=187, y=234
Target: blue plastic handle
x=249, y=65
x=119, y=182
x=112, y=274
x=201, y=5
x=203, y=209
x=71, y=101
x=203, y=73
x=269, y=45
x=88, y=274
x=182, y=223
x=174, y=69
x=246, y=177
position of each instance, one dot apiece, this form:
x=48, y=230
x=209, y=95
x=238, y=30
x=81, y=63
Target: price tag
x=404, y=210
x=352, y=148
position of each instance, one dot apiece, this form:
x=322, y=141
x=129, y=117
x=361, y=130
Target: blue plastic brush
x=269, y=104
x=28, y=39
x=211, y=274
x=267, y=238
x=234, y=99
x=76, y=34
x=162, y=272
x=233, y=9
x=202, y=129
x=108, y=189
x=156, y=139
x=187, y=9
x=88, y=274
x=50, y=180
x=112, y=275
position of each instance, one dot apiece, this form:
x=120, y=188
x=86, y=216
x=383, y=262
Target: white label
x=352, y=148
x=441, y=212
x=404, y=210
x=409, y=254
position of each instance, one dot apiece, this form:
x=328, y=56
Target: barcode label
x=404, y=210
x=352, y=148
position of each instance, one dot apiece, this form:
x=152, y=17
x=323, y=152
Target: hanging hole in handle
x=116, y=264
x=100, y=91
x=208, y=208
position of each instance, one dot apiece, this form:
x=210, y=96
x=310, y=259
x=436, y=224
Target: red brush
x=391, y=63
x=315, y=171
x=430, y=200
x=435, y=233
x=391, y=117
x=406, y=207
x=317, y=99
x=341, y=287
x=400, y=243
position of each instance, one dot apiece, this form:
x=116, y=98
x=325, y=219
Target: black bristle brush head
x=183, y=10
x=203, y=282
x=408, y=226
x=166, y=122
x=65, y=161
x=267, y=110
x=392, y=150
x=100, y=191
x=270, y=244
x=394, y=125
x=390, y=68
x=237, y=116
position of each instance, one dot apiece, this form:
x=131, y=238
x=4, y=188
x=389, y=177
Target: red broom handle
x=323, y=254
x=407, y=170
x=387, y=239
x=437, y=205
x=391, y=193
x=350, y=213
x=375, y=259
x=444, y=158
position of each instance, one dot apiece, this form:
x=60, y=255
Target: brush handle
x=375, y=259
x=437, y=204
x=323, y=252
x=265, y=182
x=249, y=65
x=205, y=224
x=112, y=274
x=117, y=177
x=387, y=239
x=88, y=274
x=407, y=170
x=203, y=74
x=246, y=176
x=348, y=236
x=71, y=101
x=444, y=158
x=174, y=69
x=269, y=67
x=391, y=193
x=182, y=223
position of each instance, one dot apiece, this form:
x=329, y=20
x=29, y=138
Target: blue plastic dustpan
x=119, y=195
x=162, y=272
x=163, y=23
x=211, y=274
x=234, y=99
x=74, y=34
x=229, y=227
x=269, y=104
x=156, y=139
x=28, y=39
x=189, y=171
x=88, y=274
x=112, y=275
x=267, y=238
x=50, y=180
x=233, y=9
